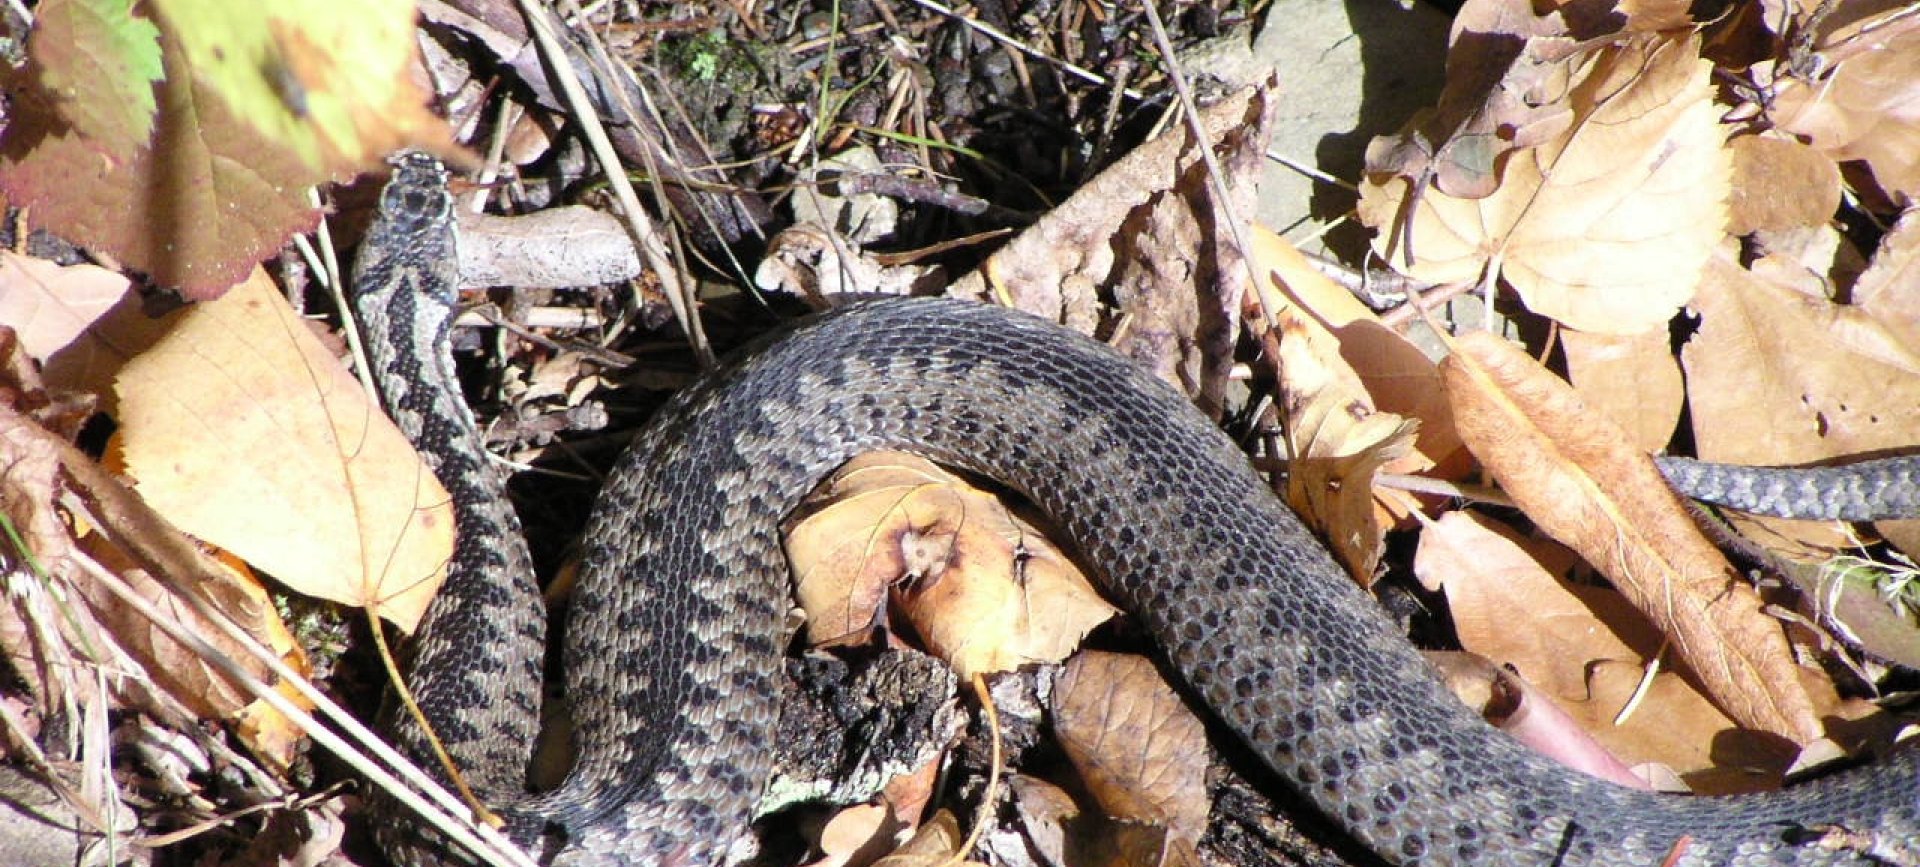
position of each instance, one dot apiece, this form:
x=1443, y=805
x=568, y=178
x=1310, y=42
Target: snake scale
x=675, y=634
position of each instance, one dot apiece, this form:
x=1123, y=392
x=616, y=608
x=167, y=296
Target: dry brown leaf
x=1046, y=811
x=1122, y=844
x=1884, y=291
x=931, y=846
x=1867, y=104
x=1339, y=441
x=1506, y=68
x=1780, y=184
x=247, y=433
x=1396, y=375
x=1584, y=483
x=1634, y=379
x=1604, y=226
x=856, y=835
x=1777, y=376
x=1010, y=597
x=1140, y=751
x=1144, y=232
x=1587, y=649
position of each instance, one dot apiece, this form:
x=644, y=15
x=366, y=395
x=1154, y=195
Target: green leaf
x=99, y=63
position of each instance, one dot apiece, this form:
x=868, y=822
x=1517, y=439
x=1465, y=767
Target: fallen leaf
x=934, y=844
x=245, y=432
x=1780, y=376
x=1606, y=225
x=985, y=591
x=856, y=835
x=1396, y=375
x=1862, y=105
x=1780, y=184
x=1587, y=649
x=1046, y=812
x=1883, y=291
x=1337, y=440
x=1580, y=479
x=1141, y=753
x=1505, y=68
x=1173, y=298
x=50, y=305
x=1634, y=379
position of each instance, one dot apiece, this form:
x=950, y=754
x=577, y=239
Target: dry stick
x=645, y=236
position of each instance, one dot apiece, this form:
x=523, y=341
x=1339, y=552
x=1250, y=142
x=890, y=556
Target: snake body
x=676, y=628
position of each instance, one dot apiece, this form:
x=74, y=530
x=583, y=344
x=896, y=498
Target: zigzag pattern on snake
x=676, y=627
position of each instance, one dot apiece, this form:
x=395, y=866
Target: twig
x=645, y=236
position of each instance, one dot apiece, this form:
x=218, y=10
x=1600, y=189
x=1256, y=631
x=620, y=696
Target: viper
x=676, y=624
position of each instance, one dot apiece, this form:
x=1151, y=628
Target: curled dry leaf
x=1144, y=230
x=1140, y=751
x=1884, y=291
x=1584, y=483
x=933, y=844
x=1310, y=329
x=985, y=590
x=1605, y=225
x=1588, y=650
x=1046, y=812
x=1865, y=104
x=247, y=433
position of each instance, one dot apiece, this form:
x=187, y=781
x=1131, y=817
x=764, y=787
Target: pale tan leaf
x=933, y=844
x=242, y=429
x=1584, y=483
x=890, y=520
x=1634, y=379
x=50, y=305
x=1885, y=290
x=1779, y=376
x=1140, y=751
x=1588, y=650
x=1339, y=441
x=1867, y=104
x=856, y=835
x=1395, y=374
x=1780, y=184
x=1605, y=226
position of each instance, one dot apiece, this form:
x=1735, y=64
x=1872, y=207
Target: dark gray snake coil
x=676, y=627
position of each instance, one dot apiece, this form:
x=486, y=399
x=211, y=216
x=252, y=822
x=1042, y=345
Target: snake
x=676, y=626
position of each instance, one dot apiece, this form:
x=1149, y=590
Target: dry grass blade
x=168, y=554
